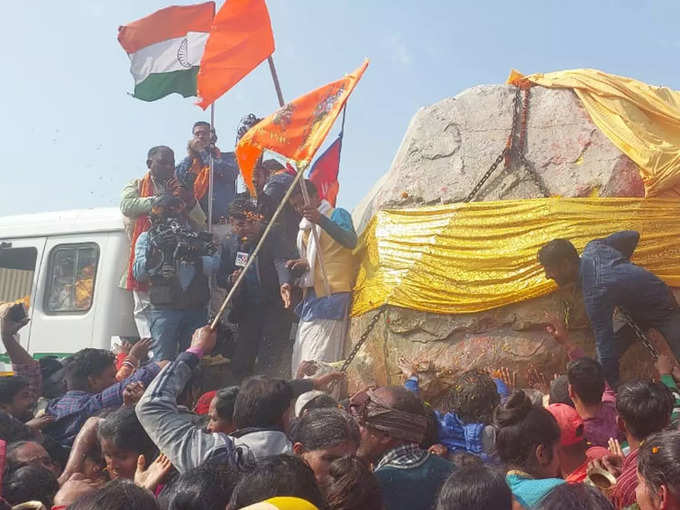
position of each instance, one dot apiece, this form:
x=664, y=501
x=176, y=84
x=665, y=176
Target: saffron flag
x=324, y=172
x=165, y=49
x=297, y=129
x=241, y=37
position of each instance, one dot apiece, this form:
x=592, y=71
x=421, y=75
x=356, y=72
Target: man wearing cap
x=392, y=423
x=574, y=454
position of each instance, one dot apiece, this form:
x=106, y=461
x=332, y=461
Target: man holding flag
x=324, y=311
x=195, y=169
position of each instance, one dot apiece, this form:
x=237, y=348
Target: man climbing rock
x=608, y=279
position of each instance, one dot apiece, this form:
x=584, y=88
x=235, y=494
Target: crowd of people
x=138, y=430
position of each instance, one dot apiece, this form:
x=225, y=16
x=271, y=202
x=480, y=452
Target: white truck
x=67, y=266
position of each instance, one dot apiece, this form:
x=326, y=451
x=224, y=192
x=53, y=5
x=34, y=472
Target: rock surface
x=447, y=148
x=450, y=145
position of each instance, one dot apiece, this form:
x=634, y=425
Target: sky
x=71, y=136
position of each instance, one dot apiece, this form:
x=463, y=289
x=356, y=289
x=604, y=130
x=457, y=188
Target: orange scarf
x=202, y=173
x=142, y=224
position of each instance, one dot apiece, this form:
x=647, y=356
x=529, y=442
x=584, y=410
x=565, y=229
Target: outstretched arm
x=173, y=432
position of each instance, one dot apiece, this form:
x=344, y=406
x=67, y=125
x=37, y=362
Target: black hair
x=536, y=396
x=279, y=475
x=587, y=379
x=557, y=251
x=247, y=122
x=261, y=402
x=12, y=429
x=272, y=165
x=11, y=453
x=645, y=407
x=575, y=496
x=226, y=398
x=123, y=429
x=323, y=401
x=52, y=373
x=28, y=483
x=241, y=208
x=85, y=363
x=116, y=495
x=10, y=386
x=325, y=428
x=658, y=461
x=352, y=486
x=311, y=189
x=207, y=486
x=475, y=486
x=200, y=123
x=462, y=459
x=559, y=391
x=521, y=427
x=473, y=396
x=432, y=430
x=155, y=150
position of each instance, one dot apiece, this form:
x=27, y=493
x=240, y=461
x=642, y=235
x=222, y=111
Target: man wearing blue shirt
x=608, y=279
x=196, y=167
x=178, y=278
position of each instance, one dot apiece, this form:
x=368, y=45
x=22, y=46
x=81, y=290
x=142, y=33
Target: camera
x=172, y=242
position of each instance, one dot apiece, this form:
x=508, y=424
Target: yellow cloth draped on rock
x=643, y=121
x=470, y=257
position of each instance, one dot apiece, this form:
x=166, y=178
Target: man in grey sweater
x=261, y=413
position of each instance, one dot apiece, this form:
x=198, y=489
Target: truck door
x=20, y=262
x=63, y=316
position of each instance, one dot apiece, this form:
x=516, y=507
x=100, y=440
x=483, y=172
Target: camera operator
x=177, y=263
x=137, y=199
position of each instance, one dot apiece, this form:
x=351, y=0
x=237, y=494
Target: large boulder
x=446, y=150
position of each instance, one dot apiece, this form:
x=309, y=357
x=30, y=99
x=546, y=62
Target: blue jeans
x=171, y=330
x=609, y=355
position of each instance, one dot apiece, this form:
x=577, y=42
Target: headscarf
x=373, y=412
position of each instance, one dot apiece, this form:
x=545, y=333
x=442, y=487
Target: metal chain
x=515, y=146
x=363, y=338
x=513, y=151
x=641, y=335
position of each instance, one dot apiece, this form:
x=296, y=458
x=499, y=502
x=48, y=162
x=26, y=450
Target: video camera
x=171, y=242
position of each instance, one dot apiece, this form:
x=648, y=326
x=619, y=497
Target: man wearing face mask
x=196, y=167
x=257, y=308
x=137, y=199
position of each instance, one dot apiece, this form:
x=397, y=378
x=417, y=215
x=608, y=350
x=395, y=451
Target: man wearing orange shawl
x=137, y=199
x=196, y=167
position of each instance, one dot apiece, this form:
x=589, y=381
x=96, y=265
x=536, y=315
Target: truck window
x=17, y=266
x=70, y=280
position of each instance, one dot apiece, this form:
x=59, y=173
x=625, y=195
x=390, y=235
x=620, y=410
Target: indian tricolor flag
x=165, y=49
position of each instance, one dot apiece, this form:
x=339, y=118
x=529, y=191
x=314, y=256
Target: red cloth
x=623, y=494
x=120, y=357
x=203, y=403
x=579, y=474
x=324, y=173
x=142, y=224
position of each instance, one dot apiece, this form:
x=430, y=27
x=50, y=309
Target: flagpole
x=275, y=77
x=253, y=256
x=303, y=187
x=212, y=168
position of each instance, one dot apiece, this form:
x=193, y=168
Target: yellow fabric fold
x=643, y=121
x=471, y=257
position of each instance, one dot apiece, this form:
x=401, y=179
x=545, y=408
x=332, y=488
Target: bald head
x=398, y=397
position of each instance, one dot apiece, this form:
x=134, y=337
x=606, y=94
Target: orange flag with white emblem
x=240, y=38
x=297, y=129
